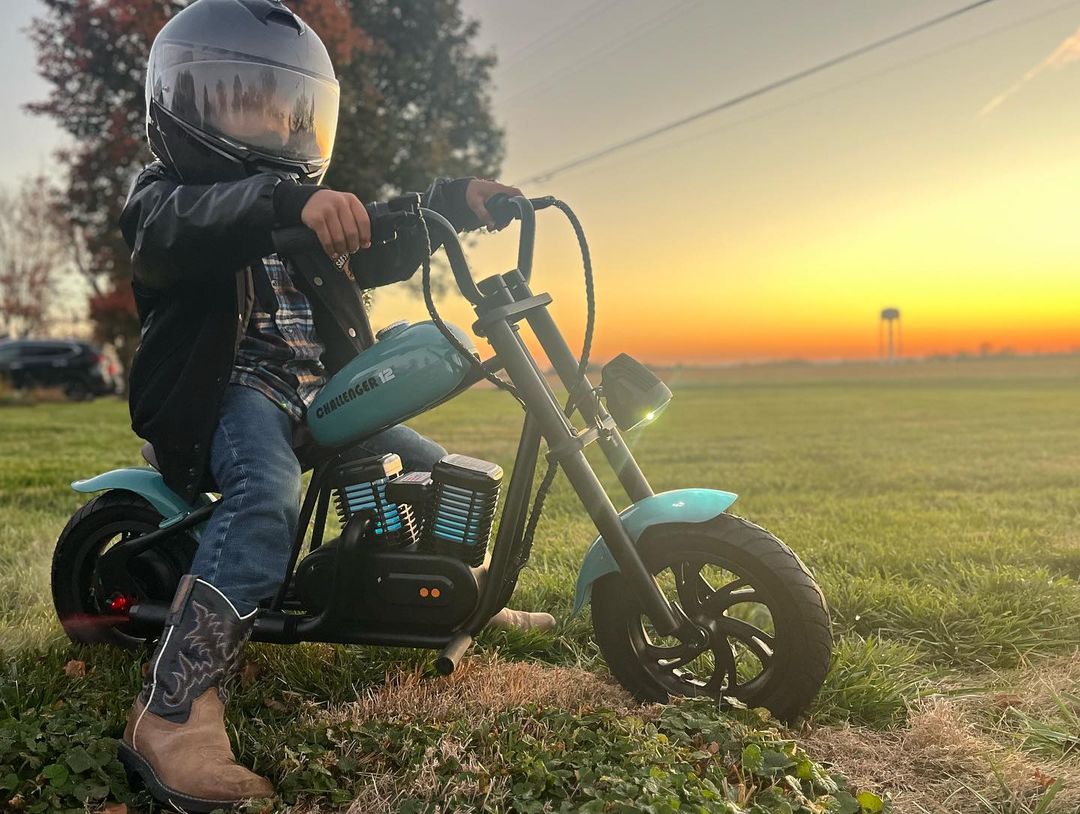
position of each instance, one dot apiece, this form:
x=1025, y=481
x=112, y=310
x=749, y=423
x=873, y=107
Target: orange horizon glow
x=669, y=340
x=945, y=187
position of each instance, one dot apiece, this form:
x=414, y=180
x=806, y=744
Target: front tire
x=82, y=596
x=770, y=641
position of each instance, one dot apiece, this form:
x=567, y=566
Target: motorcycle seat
x=307, y=450
x=149, y=455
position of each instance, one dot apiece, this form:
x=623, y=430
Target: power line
x=555, y=32
x=755, y=93
x=646, y=26
x=1025, y=21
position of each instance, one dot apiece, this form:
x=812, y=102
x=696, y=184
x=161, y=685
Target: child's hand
x=340, y=221
x=477, y=193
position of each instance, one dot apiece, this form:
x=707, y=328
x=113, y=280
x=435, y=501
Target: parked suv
x=81, y=370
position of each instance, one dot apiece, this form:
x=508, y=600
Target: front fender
x=676, y=506
x=147, y=483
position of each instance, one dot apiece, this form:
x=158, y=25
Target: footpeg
x=451, y=655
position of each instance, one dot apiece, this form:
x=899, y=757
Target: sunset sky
x=939, y=175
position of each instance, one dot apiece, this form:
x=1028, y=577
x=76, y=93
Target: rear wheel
x=78, y=390
x=91, y=606
x=769, y=641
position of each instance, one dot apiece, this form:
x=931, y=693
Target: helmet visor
x=269, y=109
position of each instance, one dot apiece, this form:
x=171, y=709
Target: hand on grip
x=339, y=219
x=501, y=209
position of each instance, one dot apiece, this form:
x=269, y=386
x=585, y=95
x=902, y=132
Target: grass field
x=937, y=504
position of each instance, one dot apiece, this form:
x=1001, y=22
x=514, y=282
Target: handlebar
x=503, y=209
x=506, y=209
x=388, y=217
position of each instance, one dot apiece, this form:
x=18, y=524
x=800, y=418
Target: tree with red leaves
x=414, y=105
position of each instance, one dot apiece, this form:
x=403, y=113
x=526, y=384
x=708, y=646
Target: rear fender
x=148, y=483
x=676, y=506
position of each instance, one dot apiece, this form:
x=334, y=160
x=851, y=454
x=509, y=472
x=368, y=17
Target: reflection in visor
x=275, y=111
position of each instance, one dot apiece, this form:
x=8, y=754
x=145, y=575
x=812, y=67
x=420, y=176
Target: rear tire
x=78, y=391
x=767, y=608
x=80, y=596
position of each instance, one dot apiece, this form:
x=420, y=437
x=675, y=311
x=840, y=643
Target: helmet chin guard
x=236, y=87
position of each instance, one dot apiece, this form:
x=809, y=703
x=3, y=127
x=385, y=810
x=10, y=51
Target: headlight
x=633, y=393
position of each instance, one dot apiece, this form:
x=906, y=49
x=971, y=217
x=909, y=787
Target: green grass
x=937, y=504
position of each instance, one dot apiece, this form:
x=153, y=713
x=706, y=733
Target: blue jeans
x=245, y=547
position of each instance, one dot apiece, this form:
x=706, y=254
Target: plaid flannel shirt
x=280, y=352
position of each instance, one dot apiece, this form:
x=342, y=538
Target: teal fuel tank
x=408, y=370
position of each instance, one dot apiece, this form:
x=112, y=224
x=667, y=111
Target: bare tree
x=35, y=258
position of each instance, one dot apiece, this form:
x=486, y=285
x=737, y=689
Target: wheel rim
x=153, y=575
x=737, y=657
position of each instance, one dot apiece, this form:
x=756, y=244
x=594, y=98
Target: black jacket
x=192, y=249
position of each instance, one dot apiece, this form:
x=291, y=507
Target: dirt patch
x=974, y=750
x=952, y=755
x=939, y=762
x=481, y=688
x=1039, y=689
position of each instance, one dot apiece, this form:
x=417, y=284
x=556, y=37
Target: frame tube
x=497, y=589
x=281, y=628
x=136, y=546
x=314, y=491
x=566, y=365
x=555, y=429
x=515, y=506
x=527, y=239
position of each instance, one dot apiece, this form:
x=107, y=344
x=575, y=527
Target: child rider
x=236, y=340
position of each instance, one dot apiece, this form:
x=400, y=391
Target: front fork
x=566, y=366
x=566, y=445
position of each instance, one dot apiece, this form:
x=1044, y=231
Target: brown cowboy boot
x=175, y=740
x=507, y=619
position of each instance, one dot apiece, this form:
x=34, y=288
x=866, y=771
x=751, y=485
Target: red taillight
x=119, y=604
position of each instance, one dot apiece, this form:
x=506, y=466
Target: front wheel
x=769, y=641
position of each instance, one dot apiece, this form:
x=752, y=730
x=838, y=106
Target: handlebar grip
x=505, y=209
x=502, y=209
x=386, y=220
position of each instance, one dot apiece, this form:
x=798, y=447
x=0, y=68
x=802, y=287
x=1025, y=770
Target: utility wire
x=755, y=93
x=643, y=28
x=801, y=100
x=554, y=33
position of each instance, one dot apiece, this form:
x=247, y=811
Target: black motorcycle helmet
x=235, y=87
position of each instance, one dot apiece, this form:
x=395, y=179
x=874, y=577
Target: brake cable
x=548, y=480
x=552, y=469
x=437, y=320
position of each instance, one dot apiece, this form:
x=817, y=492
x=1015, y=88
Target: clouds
x=1068, y=51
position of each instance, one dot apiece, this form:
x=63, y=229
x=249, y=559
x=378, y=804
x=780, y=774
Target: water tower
x=890, y=335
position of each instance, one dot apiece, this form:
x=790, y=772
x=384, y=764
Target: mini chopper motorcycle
x=687, y=600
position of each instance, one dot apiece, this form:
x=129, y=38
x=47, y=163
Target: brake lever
x=409, y=202
x=388, y=217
